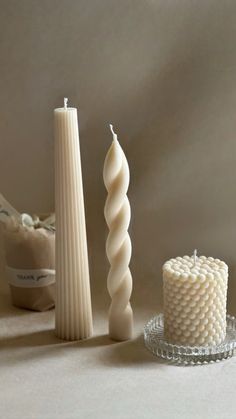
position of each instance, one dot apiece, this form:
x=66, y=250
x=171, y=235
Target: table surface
x=44, y=377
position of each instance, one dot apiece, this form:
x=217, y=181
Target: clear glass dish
x=155, y=341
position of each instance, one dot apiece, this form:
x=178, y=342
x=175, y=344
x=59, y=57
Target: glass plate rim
x=188, y=354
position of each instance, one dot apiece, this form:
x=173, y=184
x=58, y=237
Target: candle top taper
x=195, y=257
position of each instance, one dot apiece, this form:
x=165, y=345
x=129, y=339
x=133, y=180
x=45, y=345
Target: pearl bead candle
x=195, y=293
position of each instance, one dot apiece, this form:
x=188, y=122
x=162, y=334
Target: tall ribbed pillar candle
x=73, y=299
x=118, y=245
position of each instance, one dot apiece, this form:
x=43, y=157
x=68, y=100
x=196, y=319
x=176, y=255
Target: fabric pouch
x=30, y=265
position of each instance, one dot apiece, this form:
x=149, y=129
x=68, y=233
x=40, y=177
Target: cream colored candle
x=118, y=246
x=73, y=300
x=195, y=292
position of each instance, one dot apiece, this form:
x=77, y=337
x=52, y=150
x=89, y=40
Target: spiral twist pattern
x=118, y=244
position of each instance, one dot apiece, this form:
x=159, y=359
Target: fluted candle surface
x=118, y=245
x=195, y=292
x=73, y=300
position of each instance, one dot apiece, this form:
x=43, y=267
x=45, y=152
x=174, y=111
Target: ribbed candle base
x=73, y=299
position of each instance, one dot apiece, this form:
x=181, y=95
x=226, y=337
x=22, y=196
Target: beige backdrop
x=164, y=73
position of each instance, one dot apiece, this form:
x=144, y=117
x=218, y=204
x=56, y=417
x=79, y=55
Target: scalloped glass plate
x=187, y=355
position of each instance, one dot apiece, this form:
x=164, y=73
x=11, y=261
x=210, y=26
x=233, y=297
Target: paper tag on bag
x=30, y=278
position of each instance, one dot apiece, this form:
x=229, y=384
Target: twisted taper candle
x=118, y=245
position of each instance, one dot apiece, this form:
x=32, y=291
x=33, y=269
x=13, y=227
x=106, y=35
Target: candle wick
x=65, y=102
x=195, y=256
x=113, y=133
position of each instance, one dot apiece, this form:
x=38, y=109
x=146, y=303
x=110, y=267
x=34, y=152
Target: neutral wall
x=164, y=73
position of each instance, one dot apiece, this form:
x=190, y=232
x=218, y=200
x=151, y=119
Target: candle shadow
x=96, y=341
x=132, y=352
x=34, y=339
x=49, y=338
x=114, y=354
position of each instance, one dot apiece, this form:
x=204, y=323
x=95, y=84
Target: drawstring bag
x=30, y=260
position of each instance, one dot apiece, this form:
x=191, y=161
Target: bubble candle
x=73, y=300
x=118, y=245
x=195, y=293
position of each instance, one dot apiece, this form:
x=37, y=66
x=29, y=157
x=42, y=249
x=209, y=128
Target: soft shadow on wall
x=164, y=74
x=181, y=193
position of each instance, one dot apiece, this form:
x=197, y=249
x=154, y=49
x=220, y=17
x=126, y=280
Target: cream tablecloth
x=45, y=378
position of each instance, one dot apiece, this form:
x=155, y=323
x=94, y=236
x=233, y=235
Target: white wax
x=73, y=300
x=118, y=246
x=195, y=300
